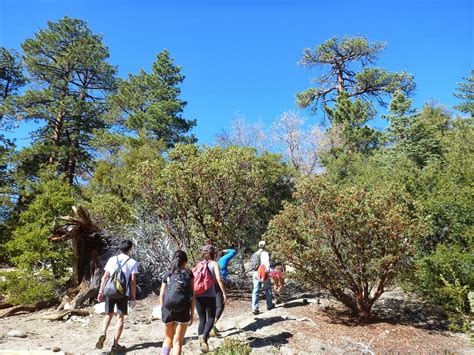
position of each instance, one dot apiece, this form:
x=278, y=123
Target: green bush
x=444, y=278
x=233, y=346
x=23, y=287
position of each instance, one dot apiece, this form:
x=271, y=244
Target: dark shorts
x=168, y=316
x=122, y=305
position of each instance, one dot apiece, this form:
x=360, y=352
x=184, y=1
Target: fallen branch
x=4, y=305
x=27, y=308
x=68, y=313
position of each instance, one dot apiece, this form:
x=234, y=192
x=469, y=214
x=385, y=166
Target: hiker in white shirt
x=262, y=258
x=129, y=267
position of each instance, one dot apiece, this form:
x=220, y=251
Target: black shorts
x=168, y=316
x=122, y=305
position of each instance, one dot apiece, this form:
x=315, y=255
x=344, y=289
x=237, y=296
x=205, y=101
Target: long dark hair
x=179, y=259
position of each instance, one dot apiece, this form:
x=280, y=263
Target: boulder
x=17, y=334
x=156, y=313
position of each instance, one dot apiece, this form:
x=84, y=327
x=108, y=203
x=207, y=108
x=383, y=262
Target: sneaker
x=271, y=307
x=255, y=312
x=203, y=344
x=117, y=348
x=214, y=332
x=100, y=342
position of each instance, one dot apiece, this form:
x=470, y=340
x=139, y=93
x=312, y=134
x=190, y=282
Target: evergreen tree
x=148, y=104
x=67, y=64
x=348, y=60
x=465, y=92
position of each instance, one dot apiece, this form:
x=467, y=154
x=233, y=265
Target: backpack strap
x=121, y=266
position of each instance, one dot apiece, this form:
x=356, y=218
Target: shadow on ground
x=397, y=312
x=259, y=323
x=271, y=340
x=148, y=345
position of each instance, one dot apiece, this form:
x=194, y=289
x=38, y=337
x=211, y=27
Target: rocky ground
x=303, y=324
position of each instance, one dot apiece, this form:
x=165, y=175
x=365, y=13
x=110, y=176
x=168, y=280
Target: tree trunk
x=91, y=252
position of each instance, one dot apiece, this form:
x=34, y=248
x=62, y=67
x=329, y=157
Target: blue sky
x=241, y=56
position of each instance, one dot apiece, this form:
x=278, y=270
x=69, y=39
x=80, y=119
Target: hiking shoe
x=214, y=332
x=100, y=342
x=117, y=348
x=271, y=307
x=203, y=344
x=255, y=312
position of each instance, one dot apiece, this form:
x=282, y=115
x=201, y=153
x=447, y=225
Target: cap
x=261, y=243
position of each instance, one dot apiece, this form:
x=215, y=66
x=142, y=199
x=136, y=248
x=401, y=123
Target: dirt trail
x=305, y=324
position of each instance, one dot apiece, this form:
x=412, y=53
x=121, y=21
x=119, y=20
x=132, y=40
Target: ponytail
x=179, y=259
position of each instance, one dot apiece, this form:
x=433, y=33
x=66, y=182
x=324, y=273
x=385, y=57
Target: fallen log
x=4, y=305
x=27, y=308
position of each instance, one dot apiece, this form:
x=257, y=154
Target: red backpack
x=262, y=274
x=203, y=278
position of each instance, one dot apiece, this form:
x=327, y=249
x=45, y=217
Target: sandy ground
x=304, y=324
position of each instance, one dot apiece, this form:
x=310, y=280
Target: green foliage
x=225, y=194
x=11, y=79
x=233, y=346
x=112, y=195
x=444, y=277
x=27, y=287
x=348, y=59
x=458, y=313
x=148, y=103
x=67, y=65
x=465, y=92
x=350, y=241
x=29, y=248
x=351, y=119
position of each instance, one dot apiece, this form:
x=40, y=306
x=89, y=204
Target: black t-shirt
x=187, y=272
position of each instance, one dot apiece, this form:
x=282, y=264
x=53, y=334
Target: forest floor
x=304, y=324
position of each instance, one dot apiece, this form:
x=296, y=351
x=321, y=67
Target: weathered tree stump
x=91, y=248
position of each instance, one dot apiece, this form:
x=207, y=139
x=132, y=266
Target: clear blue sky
x=241, y=56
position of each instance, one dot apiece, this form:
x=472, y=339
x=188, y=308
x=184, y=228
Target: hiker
x=123, y=268
x=261, y=267
x=177, y=303
x=223, y=259
x=277, y=270
x=206, y=275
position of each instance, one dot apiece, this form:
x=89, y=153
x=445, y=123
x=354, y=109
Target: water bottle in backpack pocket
x=179, y=291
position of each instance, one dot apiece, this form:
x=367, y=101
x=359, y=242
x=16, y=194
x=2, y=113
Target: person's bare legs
x=178, y=339
x=119, y=328
x=282, y=282
x=106, y=322
x=170, y=330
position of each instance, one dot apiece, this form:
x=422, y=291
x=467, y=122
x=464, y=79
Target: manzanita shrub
x=350, y=241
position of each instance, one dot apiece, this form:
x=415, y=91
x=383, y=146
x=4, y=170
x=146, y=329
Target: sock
x=165, y=350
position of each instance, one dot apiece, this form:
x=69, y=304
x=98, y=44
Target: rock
x=67, y=306
x=56, y=349
x=431, y=322
x=156, y=313
x=17, y=334
x=99, y=308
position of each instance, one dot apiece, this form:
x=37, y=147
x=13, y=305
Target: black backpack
x=116, y=286
x=179, y=291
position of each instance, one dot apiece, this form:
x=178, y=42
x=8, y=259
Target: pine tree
x=67, y=64
x=148, y=104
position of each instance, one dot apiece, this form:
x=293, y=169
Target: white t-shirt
x=130, y=267
x=265, y=259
